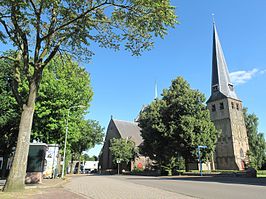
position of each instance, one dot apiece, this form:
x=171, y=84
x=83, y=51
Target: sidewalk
x=50, y=188
x=116, y=187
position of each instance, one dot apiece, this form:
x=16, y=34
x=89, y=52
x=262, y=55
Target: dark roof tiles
x=220, y=75
x=129, y=130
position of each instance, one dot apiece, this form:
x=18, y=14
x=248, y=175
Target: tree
x=88, y=133
x=64, y=83
x=256, y=140
x=8, y=115
x=123, y=150
x=86, y=157
x=175, y=125
x=38, y=30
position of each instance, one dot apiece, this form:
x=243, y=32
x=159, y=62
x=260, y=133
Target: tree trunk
x=16, y=178
x=186, y=164
x=79, y=164
x=71, y=164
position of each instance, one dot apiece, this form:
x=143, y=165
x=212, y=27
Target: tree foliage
x=256, y=140
x=123, y=150
x=9, y=115
x=9, y=110
x=86, y=157
x=176, y=124
x=64, y=84
x=88, y=133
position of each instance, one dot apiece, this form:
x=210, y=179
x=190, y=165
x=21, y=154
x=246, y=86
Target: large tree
x=39, y=29
x=88, y=133
x=176, y=124
x=123, y=150
x=64, y=84
x=256, y=141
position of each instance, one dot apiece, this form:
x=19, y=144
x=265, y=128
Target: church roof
x=221, y=83
x=129, y=130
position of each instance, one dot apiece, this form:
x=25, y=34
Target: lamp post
x=118, y=161
x=200, y=147
x=64, y=156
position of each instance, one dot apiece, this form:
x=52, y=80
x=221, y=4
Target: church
x=125, y=130
x=226, y=113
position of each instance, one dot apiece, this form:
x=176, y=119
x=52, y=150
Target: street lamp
x=64, y=156
x=200, y=147
x=118, y=161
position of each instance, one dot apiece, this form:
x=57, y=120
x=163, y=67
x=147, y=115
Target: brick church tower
x=226, y=113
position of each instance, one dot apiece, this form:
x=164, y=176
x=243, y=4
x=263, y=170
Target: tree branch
x=38, y=30
x=8, y=31
x=7, y=57
x=53, y=53
x=16, y=79
x=74, y=20
x=23, y=36
x=34, y=7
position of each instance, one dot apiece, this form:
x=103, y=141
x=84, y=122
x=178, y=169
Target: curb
x=47, y=185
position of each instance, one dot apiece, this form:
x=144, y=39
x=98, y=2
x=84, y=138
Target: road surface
x=138, y=187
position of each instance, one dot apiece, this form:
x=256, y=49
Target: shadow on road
x=217, y=179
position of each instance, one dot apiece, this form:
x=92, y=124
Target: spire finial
x=213, y=21
x=156, y=91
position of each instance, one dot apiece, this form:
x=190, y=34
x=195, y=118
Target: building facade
x=226, y=112
x=125, y=130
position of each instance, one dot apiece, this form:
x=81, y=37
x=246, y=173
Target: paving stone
x=107, y=187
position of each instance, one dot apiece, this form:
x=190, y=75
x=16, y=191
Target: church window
x=231, y=87
x=213, y=108
x=232, y=105
x=215, y=87
x=221, y=106
x=237, y=106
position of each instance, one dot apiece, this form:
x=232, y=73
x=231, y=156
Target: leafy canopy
x=9, y=111
x=123, y=150
x=74, y=25
x=64, y=84
x=256, y=140
x=176, y=124
x=88, y=133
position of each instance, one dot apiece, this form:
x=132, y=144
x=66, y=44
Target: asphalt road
x=204, y=187
x=137, y=187
x=141, y=187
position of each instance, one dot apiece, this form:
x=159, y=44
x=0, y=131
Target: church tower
x=226, y=113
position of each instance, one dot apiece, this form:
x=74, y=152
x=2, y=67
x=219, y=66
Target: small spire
x=213, y=21
x=156, y=91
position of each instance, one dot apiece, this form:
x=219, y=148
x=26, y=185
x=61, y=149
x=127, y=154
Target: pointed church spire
x=221, y=83
x=155, y=91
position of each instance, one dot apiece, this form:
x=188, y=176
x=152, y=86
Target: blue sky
x=122, y=84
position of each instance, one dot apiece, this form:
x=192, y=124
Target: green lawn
x=261, y=174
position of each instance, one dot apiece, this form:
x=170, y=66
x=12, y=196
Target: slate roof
x=129, y=130
x=221, y=83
